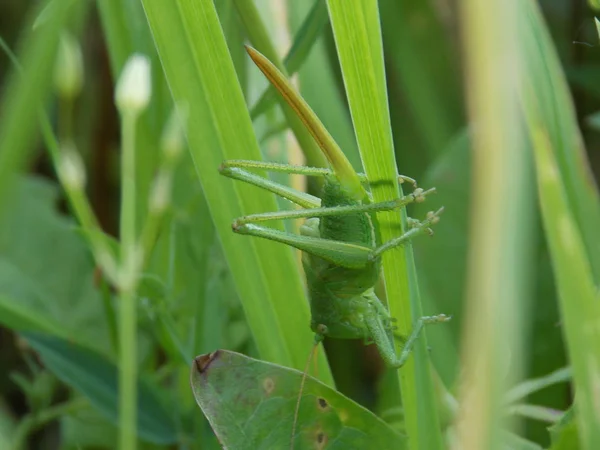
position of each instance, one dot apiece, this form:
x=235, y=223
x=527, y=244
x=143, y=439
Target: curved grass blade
x=250, y=405
x=336, y=158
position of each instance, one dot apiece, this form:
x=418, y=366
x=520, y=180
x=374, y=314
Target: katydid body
x=340, y=239
x=342, y=253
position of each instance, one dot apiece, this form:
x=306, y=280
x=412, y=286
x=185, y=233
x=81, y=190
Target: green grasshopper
x=340, y=239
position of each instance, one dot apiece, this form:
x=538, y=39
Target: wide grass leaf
x=201, y=74
x=96, y=378
x=250, y=405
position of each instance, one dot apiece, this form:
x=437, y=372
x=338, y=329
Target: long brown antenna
x=297, y=410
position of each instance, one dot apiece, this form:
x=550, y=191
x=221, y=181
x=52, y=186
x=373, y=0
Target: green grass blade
x=200, y=72
x=358, y=40
x=528, y=387
x=305, y=38
x=330, y=149
x=259, y=37
x=557, y=111
x=570, y=210
x=577, y=292
x=320, y=88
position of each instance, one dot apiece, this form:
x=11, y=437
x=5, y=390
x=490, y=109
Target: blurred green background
x=187, y=301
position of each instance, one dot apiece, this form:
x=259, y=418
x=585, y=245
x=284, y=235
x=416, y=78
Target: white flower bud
x=134, y=86
x=71, y=170
x=68, y=67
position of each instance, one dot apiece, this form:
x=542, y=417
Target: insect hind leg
x=380, y=326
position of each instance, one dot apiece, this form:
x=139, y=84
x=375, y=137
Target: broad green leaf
x=96, y=378
x=47, y=276
x=357, y=35
x=200, y=72
x=250, y=405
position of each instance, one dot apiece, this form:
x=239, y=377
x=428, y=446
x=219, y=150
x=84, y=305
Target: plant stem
x=127, y=290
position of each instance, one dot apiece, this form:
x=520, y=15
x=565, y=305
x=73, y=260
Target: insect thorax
x=356, y=228
x=336, y=292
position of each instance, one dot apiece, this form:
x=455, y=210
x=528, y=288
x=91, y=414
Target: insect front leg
x=236, y=169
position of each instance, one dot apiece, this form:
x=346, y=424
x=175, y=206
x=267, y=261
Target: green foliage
x=96, y=378
x=403, y=87
x=64, y=301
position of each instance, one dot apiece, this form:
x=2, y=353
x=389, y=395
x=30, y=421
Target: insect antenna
x=311, y=356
